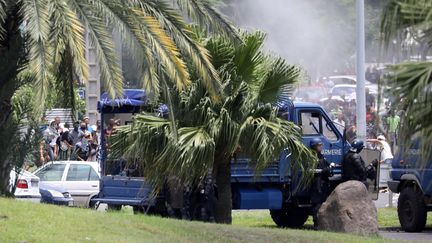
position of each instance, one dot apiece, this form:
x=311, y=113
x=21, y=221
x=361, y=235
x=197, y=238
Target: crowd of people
x=79, y=142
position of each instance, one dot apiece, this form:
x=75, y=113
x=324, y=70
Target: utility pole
x=360, y=69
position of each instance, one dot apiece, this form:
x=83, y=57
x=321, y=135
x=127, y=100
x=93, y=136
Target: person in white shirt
x=386, y=153
x=385, y=159
x=339, y=122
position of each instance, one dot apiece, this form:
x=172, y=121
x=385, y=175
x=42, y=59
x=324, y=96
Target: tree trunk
x=12, y=58
x=223, y=205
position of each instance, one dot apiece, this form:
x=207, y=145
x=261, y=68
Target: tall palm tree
x=412, y=81
x=47, y=39
x=211, y=132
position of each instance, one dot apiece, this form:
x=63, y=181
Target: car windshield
x=346, y=91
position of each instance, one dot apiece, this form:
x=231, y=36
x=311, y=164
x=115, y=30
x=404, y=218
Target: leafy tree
x=243, y=122
x=411, y=81
x=47, y=39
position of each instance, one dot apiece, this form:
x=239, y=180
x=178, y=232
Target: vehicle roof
x=343, y=76
x=344, y=85
x=301, y=104
x=73, y=162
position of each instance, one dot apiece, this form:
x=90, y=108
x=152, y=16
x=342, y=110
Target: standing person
x=393, y=122
x=93, y=147
x=86, y=120
x=83, y=127
x=353, y=166
x=111, y=127
x=64, y=142
x=339, y=121
x=370, y=98
x=82, y=149
x=385, y=159
x=321, y=184
x=74, y=134
x=50, y=136
x=43, y=153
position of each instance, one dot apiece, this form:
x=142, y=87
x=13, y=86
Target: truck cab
x=277, y=188
x=411, y=176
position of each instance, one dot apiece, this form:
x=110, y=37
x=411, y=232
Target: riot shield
x=368, y=156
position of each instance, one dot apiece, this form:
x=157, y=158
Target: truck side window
x=328, y=131
x=310, y=123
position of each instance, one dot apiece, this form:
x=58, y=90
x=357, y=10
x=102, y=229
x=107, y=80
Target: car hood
x=44, y=186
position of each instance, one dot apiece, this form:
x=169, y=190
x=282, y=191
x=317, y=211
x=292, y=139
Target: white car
x=346, y=79
x=26, y=186
x=349, y=91
x=79, y=178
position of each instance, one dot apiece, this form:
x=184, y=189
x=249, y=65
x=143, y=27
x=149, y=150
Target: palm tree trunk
x=12, y=58
x=223, y=204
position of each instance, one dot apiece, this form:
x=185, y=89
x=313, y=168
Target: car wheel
x=94, y=204
x=290, y=217
x=412, y=211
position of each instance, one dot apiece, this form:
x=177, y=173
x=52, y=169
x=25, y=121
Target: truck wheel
x=291, y=217
x=114, y=207
x=138, y=210
x=412, y=211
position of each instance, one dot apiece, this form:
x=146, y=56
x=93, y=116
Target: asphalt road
x=397, y=234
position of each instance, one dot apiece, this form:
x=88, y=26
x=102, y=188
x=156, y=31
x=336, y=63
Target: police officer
x=321, y=186
x=353, y=167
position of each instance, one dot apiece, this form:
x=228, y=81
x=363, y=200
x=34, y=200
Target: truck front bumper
x=393, y=186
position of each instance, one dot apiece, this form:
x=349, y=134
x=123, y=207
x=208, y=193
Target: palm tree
x=412, y=81
x=46, y=38
x=211, y=132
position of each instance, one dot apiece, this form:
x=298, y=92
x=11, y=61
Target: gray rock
x=349, y=209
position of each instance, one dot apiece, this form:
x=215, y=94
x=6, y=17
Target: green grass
x=387, y=218
x=27, y=222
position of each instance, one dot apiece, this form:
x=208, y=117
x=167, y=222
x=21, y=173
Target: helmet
x=357, y=145
x=314, y=142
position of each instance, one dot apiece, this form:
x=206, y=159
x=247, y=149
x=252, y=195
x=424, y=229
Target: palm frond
x=204, y=13
x=2, y=18
x=101, y=39
x=67, y=32
x=264, y=138
x=190, y=48
x=193, y=152
x=163, y=45
x=35, y=13
x=414, y=17
x=279, y=78
x=412, y=84
x=248, y=55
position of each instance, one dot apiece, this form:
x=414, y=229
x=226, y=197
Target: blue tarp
x=131, y=101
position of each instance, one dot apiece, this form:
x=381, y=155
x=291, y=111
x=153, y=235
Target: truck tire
x=412, y=211
x=290, y=217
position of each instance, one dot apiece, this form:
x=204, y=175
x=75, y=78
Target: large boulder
x=349, y=209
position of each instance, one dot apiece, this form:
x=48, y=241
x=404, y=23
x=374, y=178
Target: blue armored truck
x=276, y=189
x=411, y=176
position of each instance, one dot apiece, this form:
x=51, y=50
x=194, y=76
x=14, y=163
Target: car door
x=81, y=180
x=52, y=174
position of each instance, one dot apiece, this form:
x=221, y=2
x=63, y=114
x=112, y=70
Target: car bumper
x=393, y=186
x=61, y=201
x=28, y=199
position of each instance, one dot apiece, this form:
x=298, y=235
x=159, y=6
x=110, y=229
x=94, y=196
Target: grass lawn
x=27, y=222
x=387, y=218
